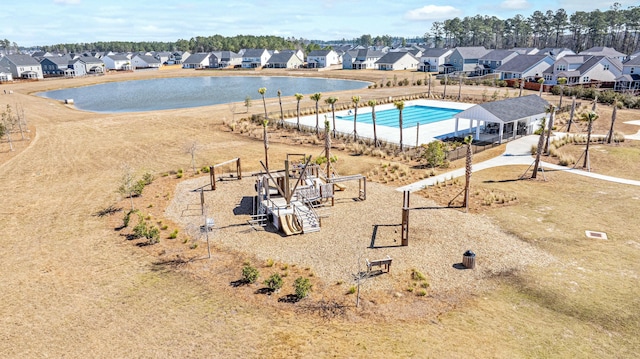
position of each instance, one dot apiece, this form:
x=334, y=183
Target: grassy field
x=73, y=287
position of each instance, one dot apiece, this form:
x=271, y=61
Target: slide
x=288, y=226
x=339, y=187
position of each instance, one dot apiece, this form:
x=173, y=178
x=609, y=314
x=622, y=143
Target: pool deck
x=428, y=132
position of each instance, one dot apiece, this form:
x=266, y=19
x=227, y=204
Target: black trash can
x=469, y=259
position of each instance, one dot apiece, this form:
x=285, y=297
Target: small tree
x=551, y=111
x=332, y=101
x=302, y=287
x=589, y=117
x=434, y=153
x=572, y=113
x=299, y=97
x=561, y=81
x=250, y=273
x=247, y=102
x=127, y=183
x=274, y=283
x=541, y=82
x=539, y=148
x=191, y=149
x=614, y=114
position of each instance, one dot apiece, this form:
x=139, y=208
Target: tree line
x=618, y=28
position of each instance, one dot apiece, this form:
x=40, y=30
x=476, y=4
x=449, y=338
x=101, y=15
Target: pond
x=185, y=92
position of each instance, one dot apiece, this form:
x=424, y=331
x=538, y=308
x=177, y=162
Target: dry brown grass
x=72, y=286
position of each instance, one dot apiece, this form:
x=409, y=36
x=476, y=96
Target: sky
x=50, y=22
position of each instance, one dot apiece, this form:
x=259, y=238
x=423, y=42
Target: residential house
x=433, y=60
x=5, y=74
x=465, y=59
x=163, y=57
x=488, y=63
x=322, y=58
x=583, y=69
x=525, y=67
x=145, y=62
x=284, y=60
x=117, y=62
x=348, y=58
x=55, y=65
x=22, y=66
x=556, y=52
x=630, y=78
x=255, y=58
x=86, y=65
x=366, y=59
x=224, y=59
x=604, y=51
x=198, y=60
x=397, y=61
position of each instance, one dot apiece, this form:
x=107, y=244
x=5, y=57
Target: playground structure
x=212, y=171
x=296, y=199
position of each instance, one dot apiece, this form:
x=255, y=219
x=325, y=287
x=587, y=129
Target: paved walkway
x=637, y=135
x=518, y=152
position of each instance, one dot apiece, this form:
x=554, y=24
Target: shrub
x=434, y=153
x=302, y=287
x=566, y=160
x=173, y=234
x=205, y=169
x=147, y=178
x=250, y=273
x=417, y=275
x=421, y=293
x=127, y=217
x=269, y=263
x=274, y=282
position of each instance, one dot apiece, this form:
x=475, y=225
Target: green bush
x=274, y=282
x=127, y=217
x=417, y=275
x=352, y=289
x=302, y=287
x=434, y=153
x=249, y=273
x=205, y=169
x=173, y=234
x=147, y=178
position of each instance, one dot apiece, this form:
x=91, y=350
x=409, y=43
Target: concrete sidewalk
x=518, y=152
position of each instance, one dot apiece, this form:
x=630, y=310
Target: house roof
x=253, y=52
x=197, y=58
x=366, y=53
x=435, y=52
x=225, y=55
x=58, y=60
x=148, y=59
x=628, y=78
x=282, y=57
x=393, y=57
x=526, y=50
x=118, y=57
x=4, y=70
x=319, y=53
x=497, y=55
x=602, y=51
x=90, y=60
x=633, y=62
x=472, y=52
x=509, y=110
x=22, y=60
x=593, y=60
x=522, y=63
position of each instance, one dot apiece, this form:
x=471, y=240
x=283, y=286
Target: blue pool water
x=411, y=116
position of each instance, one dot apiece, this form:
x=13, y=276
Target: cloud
x=515, y=4
x=66, y=2
x=432, y=12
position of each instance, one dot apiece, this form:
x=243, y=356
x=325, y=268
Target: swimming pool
x=411, y=116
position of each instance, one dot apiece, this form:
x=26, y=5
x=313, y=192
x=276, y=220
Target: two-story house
x=525, y=67
x=318, y=59
x=284, y=60
x=55, y=65
x=583, y=69
x=433, y=60
x=255, y=58
x=117, y=62
x=145, y=62
x=366, y=59
x=397, y=61
x=489, y=62
x=224, y=59
x=630, y=78
x=604, y=51
x=22, y=66
x=465, y=59
x=199, y=60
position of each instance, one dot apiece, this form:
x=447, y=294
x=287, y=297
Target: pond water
x=184, y=92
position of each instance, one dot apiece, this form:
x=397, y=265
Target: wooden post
x=202, y=200
x=212, y=177
x=417, y=134
x=238, y=169
x=405, y=219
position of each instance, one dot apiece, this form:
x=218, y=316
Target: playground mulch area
x=358, y=230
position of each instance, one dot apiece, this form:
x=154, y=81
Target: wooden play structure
x=296, y=199
x=212, y=171
x=384, y=264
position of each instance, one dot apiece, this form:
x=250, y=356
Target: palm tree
x=281, y=113
x=316, y=97
x=332, y=101
x=539, y=148
x=429, y=91
x=561, y=81
x=541, y=82
x=521, y=87
x=589, y=117
x=467, y=183
x=265, y=139
x=400, y=106
x=373, y=104
x=460, y=80
x=355, y=100
x=299, y=97
x=614, y=114
x=551, y=111
x=327, y=144
x=262, y=91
